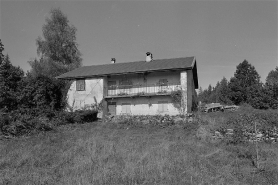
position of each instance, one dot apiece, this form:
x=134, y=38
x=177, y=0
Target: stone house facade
x=137, y=88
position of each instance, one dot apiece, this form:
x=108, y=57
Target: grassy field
x=96, y=153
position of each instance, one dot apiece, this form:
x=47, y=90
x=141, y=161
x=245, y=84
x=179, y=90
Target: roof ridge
x=131, y=67
x=138, y=61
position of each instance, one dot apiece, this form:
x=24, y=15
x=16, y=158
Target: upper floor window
x=112, y=85
x=80, y=85
x=163, y=82
x=125, y=83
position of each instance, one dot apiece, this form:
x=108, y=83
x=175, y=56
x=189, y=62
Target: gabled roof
x=133, y=67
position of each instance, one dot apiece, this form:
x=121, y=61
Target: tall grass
x=99, y=153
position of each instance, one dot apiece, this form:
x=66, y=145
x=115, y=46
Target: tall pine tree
x=244, y=78
x=1, y=52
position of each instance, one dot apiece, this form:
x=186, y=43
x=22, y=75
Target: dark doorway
x=112, y=108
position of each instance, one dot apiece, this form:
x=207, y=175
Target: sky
x=220, y=34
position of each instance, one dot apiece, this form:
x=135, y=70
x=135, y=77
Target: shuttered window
x=126, y=108
x=80, y=85
x=163, y=106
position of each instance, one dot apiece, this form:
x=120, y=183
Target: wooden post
x=183, y=80
x=104, y=102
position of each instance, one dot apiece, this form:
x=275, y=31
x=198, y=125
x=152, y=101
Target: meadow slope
x=97, y=153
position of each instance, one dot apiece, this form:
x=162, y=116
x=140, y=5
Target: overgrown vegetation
x=127, y=152
x=129, y=149
x=26, y=121
x=36, y=100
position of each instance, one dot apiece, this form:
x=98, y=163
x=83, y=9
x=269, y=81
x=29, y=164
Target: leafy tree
x=41, y=92
x=272, y=77
x=244, y=77
x=58, y=48
x=223, y=92
x=271, y=86
x=46, y=67
x=258, y=97
x=10, y=77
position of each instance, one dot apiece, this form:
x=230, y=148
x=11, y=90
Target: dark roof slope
x=130, y=67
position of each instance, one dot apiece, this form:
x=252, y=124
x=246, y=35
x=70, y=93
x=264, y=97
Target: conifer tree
x=1, y=52
x=10, y=77
x=244, y=78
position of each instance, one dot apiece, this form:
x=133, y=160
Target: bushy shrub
x=149, y=120
x=82, y=116
x=41, y=92
x=247, y=125
x=24, y=121
x=4, y=120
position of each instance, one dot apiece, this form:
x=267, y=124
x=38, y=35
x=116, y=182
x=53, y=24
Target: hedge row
x=148, y=120
x=25, y=121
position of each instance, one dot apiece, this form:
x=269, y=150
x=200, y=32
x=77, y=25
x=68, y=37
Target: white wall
x=139, y=105
x=146, y=105
x=93, y=94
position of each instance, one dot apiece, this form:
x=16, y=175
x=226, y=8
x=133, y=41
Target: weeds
x=110, y=153
x=24, y=122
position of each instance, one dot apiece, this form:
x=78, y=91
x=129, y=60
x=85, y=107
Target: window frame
x=126, y=112
x=112, y=87
x=163, y=82
x=80, y=86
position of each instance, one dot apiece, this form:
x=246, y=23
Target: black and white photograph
x=138, y=92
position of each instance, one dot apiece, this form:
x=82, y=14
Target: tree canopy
x=244, y=78
x=244, y=87
x=58, y=49
x=10, y=77
x=272, y=77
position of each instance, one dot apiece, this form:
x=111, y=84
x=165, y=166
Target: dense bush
x=41, y=92
x=248, y=126
x=148, y=120
x=79, y=116
x=10, y=77
x=25, y=121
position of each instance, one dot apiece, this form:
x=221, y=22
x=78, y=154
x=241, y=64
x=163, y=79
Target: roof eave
x=110, y=74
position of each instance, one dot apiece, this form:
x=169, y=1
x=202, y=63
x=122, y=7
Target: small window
x=126, y=108
x=125, y=83
x=112, y=85
x=80, y=85
x=163, y=106
x=163, y=82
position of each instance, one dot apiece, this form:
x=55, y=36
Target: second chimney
x=113, y=60
x=149, y=57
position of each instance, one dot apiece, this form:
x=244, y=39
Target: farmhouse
x=147, y=87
